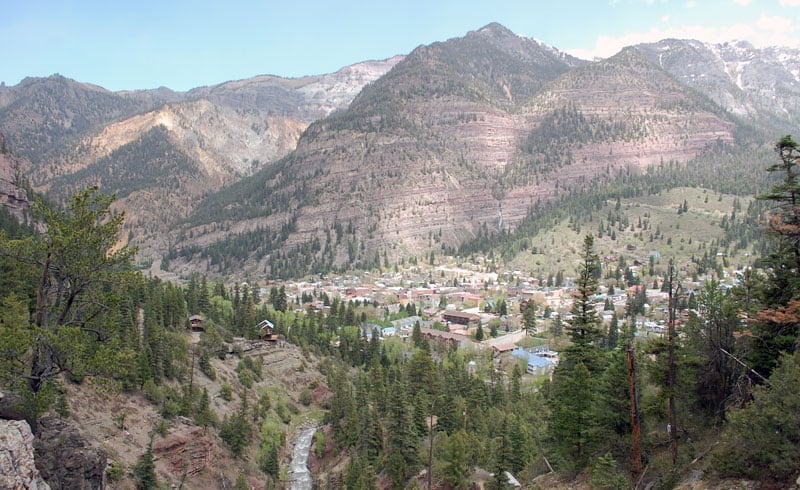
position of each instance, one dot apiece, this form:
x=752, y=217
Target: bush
x=206, y=367
x=162, y=428
x=246, y=378
x=226, y=392
x=153, y=392
x=282, y=411
x=115, y=471
x=305, y=397
x=319, y=444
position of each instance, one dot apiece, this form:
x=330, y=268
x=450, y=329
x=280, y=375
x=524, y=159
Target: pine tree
x=145, y=470
x=78, y=273
x=761, y=440
x=613, y=333
x=402, y=441
x=456, y=465
x=584, y=326
x=571, y=423
x=775, y=332
x=529, y=317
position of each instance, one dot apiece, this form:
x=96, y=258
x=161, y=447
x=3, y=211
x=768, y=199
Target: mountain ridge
x=383, y=159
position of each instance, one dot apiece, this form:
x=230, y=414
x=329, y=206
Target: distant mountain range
x=392, y=159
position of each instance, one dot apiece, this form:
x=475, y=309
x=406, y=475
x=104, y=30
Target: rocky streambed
x=300, y=475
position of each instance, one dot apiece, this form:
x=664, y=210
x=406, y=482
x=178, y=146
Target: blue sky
x=122, y=45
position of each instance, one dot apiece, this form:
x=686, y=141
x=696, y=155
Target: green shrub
x=246, y=378
x=226, y=392
x=305, y=397
x=605, y=475
x=319, y=443
x=115, y=471
x=152, y=392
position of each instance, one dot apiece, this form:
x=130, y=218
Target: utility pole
x=636, y=467
x=673, y=429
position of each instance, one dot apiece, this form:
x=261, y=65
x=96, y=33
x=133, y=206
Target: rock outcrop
x=17, y=466
x=12, y=197
x=65, y=459
x=186, y=453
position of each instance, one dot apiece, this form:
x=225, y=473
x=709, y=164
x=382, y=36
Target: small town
x=466, y=307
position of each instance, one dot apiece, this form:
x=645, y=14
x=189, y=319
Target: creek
x=299, y=473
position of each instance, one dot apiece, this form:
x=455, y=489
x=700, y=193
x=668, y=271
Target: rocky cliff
x=13, y=197
x=65, y=459
x=17, y=465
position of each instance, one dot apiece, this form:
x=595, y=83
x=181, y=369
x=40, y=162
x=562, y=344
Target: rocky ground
x=121, y=424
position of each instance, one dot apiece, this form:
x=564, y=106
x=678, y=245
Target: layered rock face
x=186, y=453
x=17, y=467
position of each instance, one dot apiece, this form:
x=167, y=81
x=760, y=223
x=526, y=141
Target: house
x=367, y=329
x=537, y=365
x=266, y=331
x=406, y=325
x=502, y=348
x=195, y=321
x=446, y=339
x=460, y=317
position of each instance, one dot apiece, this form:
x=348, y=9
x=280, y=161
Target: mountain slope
x=458, y=140
x=161, y=151
x=758, y=84
x=40, y=115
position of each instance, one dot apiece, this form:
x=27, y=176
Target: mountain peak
x=496, y=29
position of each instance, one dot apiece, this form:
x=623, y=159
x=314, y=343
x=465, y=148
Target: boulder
x=17, y=465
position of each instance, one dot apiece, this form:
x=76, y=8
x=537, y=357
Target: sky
x=124, y=45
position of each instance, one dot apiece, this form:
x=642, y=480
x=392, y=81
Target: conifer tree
x=571, y=423
x=778, y=328
x=584, y=326
x=145, y=470
x=529, y=317
x=79, y=271
x=402, y=441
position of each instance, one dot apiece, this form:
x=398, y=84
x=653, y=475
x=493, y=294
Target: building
x=537, y=365
x=195, y=321
x=446, y=339
x=461, y=318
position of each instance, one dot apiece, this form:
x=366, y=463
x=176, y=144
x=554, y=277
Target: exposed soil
x=190, y=456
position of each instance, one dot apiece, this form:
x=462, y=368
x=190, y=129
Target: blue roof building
x=537, y=365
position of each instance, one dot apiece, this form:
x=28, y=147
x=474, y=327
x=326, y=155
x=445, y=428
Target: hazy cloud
x=743, y=2
x=790, y=3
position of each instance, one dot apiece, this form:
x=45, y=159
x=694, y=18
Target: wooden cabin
x=196, y=323
x=266, y=331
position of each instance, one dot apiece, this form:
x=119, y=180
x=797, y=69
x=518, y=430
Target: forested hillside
x=723, y=379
